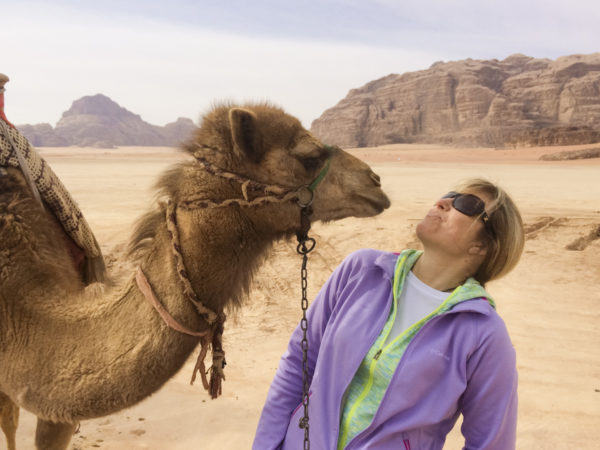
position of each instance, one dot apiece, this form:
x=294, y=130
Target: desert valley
x=549, y=303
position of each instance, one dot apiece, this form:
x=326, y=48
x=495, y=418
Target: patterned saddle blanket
x=55, y=197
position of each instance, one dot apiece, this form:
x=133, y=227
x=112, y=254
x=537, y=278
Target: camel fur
x=70, y=352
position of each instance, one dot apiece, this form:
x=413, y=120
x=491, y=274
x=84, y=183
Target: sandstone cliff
x=517, y=101
x=97, y=121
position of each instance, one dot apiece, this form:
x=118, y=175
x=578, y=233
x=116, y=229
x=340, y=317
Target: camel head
x=263, y=143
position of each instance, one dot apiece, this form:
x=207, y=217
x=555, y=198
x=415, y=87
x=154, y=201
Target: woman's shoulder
x=370, y=259
x=368, y=254
x=490, y=327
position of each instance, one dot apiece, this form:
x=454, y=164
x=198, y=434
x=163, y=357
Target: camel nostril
x=376, y=179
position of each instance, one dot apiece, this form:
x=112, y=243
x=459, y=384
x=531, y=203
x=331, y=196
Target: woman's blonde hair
x=504, y=229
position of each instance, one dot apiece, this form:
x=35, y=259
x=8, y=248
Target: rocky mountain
x=517, y=101
x=97, y=121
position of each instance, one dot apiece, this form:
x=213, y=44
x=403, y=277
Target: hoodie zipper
x=421, y=323
x=367, y=388
x=411, y=344
x=371, y=343
x=443, y=309
x=371, y=366
x=402, y=359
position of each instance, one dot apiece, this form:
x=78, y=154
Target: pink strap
x=146, y=289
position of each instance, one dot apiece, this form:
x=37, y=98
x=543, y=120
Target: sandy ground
x=550, y=302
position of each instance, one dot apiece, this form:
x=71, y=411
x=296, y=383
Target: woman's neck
x=441, y=272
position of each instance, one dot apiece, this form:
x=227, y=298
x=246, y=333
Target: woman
x=401, y=345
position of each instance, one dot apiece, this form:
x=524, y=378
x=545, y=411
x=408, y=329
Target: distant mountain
x=517, y=101
x=97, y=121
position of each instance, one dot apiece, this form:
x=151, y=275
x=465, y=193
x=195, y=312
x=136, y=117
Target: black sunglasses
x=468, y=204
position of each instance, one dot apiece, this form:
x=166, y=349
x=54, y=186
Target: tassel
x=216, y=374
x=199, y=367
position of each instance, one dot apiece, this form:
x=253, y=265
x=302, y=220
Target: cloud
x=164, y=60
x=163, y=71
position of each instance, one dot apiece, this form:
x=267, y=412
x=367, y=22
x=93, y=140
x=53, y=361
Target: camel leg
x=9, y=420
x=53, y=436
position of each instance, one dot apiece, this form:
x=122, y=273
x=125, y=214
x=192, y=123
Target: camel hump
x=16, y=151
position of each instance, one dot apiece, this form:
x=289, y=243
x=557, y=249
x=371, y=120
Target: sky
x=178, y=58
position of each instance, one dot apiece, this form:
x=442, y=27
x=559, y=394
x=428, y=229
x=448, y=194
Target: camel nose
x=376, y=179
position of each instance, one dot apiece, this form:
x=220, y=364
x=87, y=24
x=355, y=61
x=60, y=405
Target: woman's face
x=446, y=229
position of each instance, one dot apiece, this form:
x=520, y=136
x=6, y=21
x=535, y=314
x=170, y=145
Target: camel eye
x=311, y=164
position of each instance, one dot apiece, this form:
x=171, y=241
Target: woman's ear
x=478, y=248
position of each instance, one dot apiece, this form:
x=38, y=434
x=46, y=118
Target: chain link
x=305, y=246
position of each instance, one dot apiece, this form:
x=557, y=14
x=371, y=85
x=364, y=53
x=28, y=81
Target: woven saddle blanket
x=55, y=197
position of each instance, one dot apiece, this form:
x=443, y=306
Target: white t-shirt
x=417, y=300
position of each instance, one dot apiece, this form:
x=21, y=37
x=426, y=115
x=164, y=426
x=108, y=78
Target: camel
x=70, y=352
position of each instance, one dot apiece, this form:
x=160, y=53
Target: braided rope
x=184, y=278
x=259, y=201
x=212, y=336
x=303, y=194
x=217, y=171
x=278, y=193
x=215, y=321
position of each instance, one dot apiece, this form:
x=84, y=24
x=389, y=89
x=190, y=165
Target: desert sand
x=550, y=302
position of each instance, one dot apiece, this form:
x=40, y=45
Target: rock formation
x=518, y=101
x=97, y=121
x=177, y=131
x=42, y=135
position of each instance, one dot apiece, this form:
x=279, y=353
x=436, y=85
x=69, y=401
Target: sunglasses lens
x=468, y=204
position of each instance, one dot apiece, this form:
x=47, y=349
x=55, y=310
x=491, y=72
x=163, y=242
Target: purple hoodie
x=460, y=362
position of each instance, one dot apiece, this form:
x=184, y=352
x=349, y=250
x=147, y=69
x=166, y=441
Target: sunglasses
x=468, y=204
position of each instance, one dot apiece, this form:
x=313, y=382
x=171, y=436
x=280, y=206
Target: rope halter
x=273, y=193
x=303, y=195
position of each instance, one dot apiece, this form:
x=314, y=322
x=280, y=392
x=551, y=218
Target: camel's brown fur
x=69, y=352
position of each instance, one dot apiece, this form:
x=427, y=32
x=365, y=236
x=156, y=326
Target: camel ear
x=245, y=135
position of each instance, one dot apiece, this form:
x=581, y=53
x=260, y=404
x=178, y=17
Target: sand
x=550, y=302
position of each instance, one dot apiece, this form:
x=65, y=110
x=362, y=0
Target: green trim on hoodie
x=375, y=372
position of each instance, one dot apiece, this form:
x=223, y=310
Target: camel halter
x=273, y=193
x=212, y=336
x=304, y=196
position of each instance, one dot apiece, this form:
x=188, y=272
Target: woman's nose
x=443, y=203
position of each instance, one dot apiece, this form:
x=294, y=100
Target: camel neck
x=222, y=262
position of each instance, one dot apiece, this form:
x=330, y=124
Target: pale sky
x=168, y=59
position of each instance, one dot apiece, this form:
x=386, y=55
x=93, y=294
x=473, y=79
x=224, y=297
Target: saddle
x=16, y=151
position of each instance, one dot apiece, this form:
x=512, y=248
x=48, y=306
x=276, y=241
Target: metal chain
x=304, y=198
x=305, y=246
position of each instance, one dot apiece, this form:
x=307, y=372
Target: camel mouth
x=362, y=206
x=378, y=203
